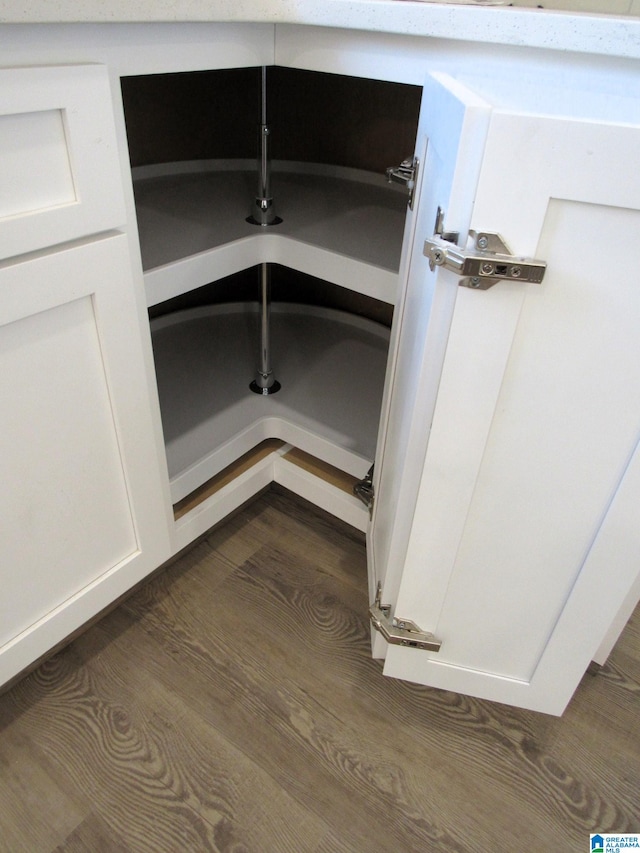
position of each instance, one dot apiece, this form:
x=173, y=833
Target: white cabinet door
x=82, y=509
x=519, y=423
x=80, y=505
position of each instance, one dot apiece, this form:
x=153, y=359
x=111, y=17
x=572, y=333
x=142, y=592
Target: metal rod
x=264, y=383
x=263, y=212
x=265, y=318
x=264, y=172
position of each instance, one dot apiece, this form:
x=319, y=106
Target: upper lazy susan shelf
x=339, y=225
x=193, y=141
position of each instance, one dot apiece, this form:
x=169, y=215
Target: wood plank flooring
x=231, y=704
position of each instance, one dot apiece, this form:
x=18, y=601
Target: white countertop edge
x=566, y=31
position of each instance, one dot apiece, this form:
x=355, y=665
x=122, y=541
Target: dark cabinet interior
x=315, y=117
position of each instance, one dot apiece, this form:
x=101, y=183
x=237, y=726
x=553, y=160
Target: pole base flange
x=259, y=389
x=253, y=221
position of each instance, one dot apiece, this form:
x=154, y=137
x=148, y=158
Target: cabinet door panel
x=82, y=504
x=565, y=425
x=58, y=157
x=536, y=418
x=61, y=466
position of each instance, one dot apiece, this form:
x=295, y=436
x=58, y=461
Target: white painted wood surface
x=82, y=507
x=59, y=153
x=64, y=495
x=450, y=144
x=535, y=421
x=148, y=49
x=81, y=502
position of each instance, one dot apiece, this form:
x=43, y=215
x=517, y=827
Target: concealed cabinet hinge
x=400, y=632
x=489, y=263
x=406, y=174
x=363, y=489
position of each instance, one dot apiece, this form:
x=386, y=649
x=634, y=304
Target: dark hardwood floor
x=231, y=704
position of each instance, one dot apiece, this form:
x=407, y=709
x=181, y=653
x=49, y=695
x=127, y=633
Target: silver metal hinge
x=407, y=174
x=363, y=489
x=489, y=263
x=400, y=632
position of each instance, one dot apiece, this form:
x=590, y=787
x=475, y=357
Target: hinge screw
x=516, y=272
x=487, y=268
x=482, y=242
x=437, y=256
x=474, y=282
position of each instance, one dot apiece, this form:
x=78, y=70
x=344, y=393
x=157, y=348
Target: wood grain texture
x=329, y=473
x=226, y=476
x=232, y=704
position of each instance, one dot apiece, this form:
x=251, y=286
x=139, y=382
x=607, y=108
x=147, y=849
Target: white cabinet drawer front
x=59, y=172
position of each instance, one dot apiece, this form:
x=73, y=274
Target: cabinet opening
x=334, y=262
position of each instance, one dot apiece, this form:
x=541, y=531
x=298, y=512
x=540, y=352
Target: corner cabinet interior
x=332, y=261
x=503, y=422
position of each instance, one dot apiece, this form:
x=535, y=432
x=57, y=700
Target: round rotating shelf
x=342, y=225
x=331, y=366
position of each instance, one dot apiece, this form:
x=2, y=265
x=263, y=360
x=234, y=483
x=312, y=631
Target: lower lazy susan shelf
x=331, y=366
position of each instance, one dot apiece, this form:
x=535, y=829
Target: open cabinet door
x=508, y=475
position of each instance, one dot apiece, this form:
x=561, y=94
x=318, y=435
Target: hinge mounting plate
x=490, y=262
x=400, y=632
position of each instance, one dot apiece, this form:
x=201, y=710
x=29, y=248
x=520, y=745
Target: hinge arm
x=363, y=489
x=400, y=632
x=488, y=263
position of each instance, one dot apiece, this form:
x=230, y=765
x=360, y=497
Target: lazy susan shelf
x=331, y=365
x=341, y=225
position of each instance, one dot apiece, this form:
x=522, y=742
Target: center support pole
x=264, y=215
x=263, y=212
x=264, y=383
